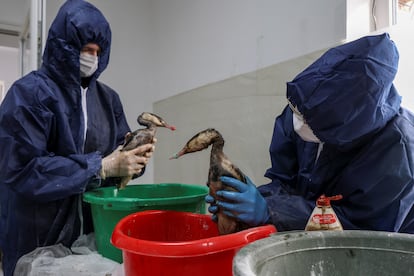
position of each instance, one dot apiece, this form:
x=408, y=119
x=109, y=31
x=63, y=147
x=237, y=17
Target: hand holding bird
x=130, y=158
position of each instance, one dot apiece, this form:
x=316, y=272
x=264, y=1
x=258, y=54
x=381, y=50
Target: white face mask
x=303, y=129
x=88, y=64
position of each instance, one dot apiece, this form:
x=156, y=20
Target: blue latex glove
x=213, y=207
x=246, y=205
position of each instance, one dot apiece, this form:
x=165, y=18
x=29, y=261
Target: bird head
x=149, y=119
x=200, y=141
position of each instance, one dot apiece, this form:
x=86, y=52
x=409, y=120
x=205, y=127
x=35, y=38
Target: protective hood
x=76, y=24
x=348, y=93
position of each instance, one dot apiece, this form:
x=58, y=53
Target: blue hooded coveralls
x=348, y=100
x=45, y=163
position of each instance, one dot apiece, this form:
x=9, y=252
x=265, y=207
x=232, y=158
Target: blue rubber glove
x=246, y=205
x=213, y=207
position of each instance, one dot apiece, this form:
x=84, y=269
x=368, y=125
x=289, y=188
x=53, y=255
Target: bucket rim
x=181, y=249
x=290, y=242
x=92, y=198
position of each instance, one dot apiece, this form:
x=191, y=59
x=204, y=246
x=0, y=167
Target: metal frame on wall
x=33, y=37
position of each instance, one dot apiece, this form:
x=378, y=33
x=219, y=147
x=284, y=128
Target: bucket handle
x=257, y=233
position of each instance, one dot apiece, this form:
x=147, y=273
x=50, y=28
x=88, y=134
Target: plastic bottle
x=323, y=217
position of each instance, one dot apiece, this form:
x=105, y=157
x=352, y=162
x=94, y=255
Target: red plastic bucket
x=179, y=243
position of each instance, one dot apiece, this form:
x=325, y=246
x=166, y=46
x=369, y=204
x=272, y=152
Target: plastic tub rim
x=89, y=198
x=192, y=248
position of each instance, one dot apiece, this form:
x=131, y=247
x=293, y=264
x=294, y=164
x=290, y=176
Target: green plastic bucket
x=108, y=206
x=341, y=253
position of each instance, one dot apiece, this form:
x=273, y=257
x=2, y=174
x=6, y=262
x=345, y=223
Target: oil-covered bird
x=142, y=136
x=220, y=165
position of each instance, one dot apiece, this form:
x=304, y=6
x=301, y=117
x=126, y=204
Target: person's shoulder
x=405, y=120
x=29, y=85
x=401, y=125
x=407, y=114
x=30, y=91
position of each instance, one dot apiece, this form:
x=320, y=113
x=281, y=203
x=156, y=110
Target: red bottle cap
x=326, y=201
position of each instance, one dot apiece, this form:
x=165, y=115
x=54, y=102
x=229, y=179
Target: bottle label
x=324, y=218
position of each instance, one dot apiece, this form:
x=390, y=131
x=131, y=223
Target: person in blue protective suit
x=342, y=133
x=60, y=135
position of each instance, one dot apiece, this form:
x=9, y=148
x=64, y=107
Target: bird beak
x=170, y=127
x=177, y=155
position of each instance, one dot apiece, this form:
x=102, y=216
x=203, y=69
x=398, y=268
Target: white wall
x=401, y=35
x=9, y=71
x=199, y=42
x=359, y=18
x=365, y=16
